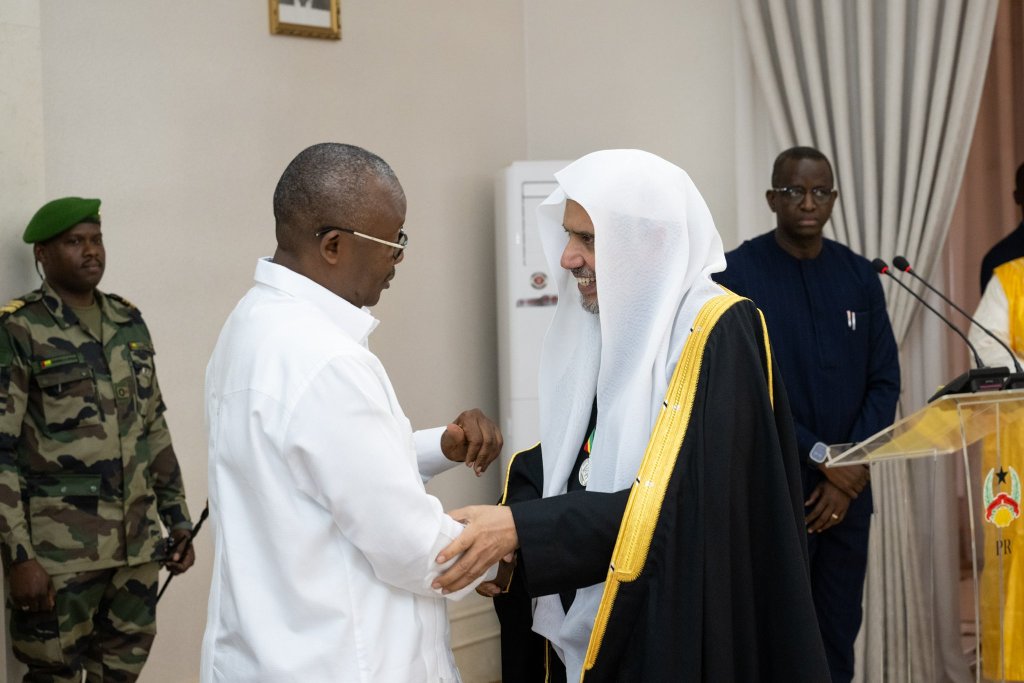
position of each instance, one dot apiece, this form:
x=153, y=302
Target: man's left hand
x=850, y=480
x=502, y=581
x=472, y=438
x=181, y=560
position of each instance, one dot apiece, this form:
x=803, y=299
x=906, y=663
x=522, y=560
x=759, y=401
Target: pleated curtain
x=889, y=91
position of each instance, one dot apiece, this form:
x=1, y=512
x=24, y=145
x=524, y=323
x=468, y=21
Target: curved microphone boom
x=903, y=264
x=883, y=268
x=981, y=378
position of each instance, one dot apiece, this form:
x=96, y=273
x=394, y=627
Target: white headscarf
x=655, y=249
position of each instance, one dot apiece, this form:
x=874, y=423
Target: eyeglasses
x=403, y=239
x=796, y=193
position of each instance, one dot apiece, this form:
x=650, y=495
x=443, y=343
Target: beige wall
x=21, y=165
x=651, y=74
x=21, y=138
x=181, y=116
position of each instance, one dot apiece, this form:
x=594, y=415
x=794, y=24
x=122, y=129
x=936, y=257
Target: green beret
x=59, y=215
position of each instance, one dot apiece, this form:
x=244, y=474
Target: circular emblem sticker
x=585, y=472
x=539, y=280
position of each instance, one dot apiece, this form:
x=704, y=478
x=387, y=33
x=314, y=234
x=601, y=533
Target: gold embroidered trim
x=508, y=471
x=10, y=307
x=648, y=491
x=768, y=359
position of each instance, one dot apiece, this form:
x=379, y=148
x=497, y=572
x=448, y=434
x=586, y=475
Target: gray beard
x=591, y=308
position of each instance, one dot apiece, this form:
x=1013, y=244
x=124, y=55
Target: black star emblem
x=1001, y=474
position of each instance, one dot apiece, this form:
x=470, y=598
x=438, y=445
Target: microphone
x=902, y=264
x=981, y=378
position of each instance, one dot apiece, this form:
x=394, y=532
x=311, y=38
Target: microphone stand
x=1016, y=378
x=982, y=378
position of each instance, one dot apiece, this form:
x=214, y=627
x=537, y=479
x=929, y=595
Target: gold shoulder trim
x=120, y=299
x=508, y=471
x=768, y=358
x=648, y=491
x=10, y=307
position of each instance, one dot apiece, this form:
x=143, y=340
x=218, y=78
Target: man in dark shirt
x=831, y=334
x=1011, y=246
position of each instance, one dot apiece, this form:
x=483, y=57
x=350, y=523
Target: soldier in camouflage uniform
x=87, y=471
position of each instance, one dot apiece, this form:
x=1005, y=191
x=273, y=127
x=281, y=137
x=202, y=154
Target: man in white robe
x=325, y=539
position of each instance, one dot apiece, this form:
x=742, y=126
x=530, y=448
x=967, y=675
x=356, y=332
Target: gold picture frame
x=306, y=18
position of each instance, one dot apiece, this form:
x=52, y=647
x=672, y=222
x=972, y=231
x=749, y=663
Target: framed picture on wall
x=308, y=18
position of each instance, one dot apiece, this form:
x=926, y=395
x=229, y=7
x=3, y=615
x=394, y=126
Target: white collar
x=355, y=322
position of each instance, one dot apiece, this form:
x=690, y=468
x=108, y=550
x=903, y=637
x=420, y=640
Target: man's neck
x=75, y=299
x=799, y=249
x=300, y=265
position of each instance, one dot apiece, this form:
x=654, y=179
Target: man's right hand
x=490, y=535
x=31, y=588
x=828, y=506
x=472, y=438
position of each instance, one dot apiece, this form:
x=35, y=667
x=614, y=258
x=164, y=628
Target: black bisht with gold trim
x=708, y=580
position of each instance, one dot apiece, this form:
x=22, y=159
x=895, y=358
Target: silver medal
x=584, y=476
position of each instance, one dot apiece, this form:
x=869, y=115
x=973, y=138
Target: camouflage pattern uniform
x=87, y=475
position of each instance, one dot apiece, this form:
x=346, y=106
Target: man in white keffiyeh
x=634, y=245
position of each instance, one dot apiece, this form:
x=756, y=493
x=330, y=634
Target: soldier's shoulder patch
x=122, y=300
x=23, y=303
x=11, y=306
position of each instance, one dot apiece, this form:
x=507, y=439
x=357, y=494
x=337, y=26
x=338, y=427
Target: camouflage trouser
x=104, y=622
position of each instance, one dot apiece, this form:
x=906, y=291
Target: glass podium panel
x=949, y=425
x=945, y=426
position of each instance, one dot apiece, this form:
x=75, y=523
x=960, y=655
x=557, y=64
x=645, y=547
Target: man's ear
x=770, y=198
x=330, y=248
x=39, y=253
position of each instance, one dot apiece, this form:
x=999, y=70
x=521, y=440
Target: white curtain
x=888, y=90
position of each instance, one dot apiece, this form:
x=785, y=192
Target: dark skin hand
x=31, y=588
x=472, y=438
x=850, y=480
x=506, y=566
x=180, y=561
x=828, y=507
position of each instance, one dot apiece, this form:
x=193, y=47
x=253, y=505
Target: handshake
x=490, y=533
x=489, y=537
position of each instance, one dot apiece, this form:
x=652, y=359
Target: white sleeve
x=993, y=313
x=350, y=453
x=429, y=457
